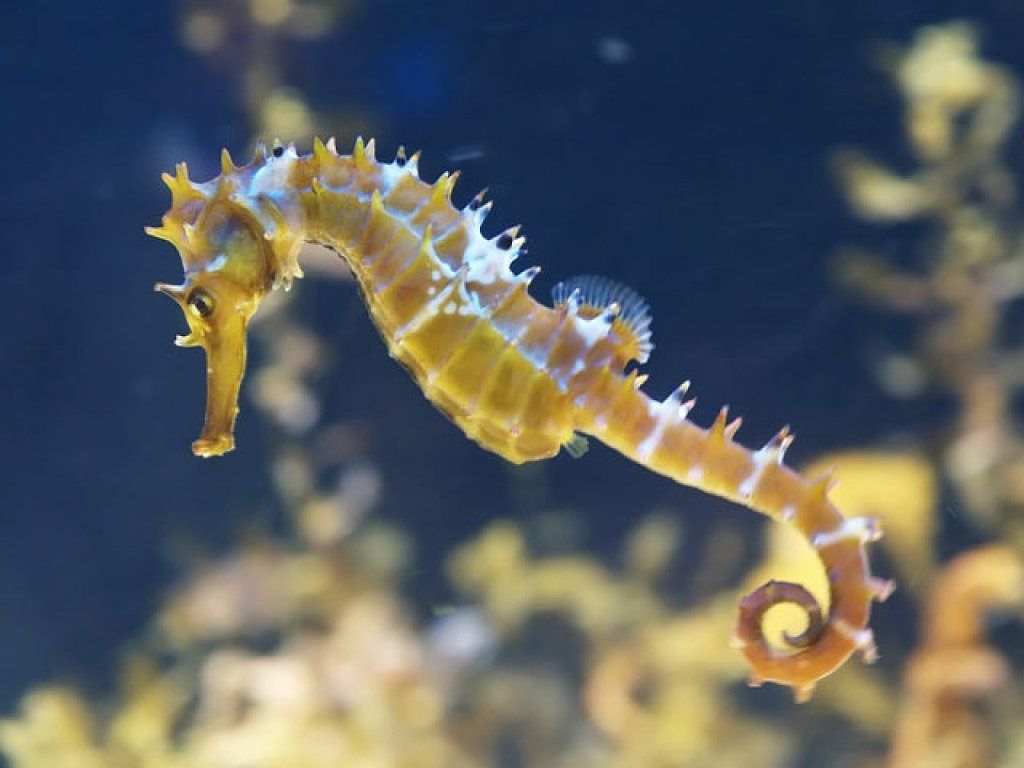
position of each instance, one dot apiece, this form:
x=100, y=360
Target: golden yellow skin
x=520, y=378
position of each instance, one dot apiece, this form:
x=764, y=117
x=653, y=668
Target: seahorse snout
x=217, y=313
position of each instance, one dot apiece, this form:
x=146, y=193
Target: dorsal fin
x=594, y=294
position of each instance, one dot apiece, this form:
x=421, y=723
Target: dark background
x=696, y=171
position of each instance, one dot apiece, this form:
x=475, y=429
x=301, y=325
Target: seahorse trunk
x=658, y=435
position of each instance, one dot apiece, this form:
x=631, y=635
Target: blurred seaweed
x=250, y=44
x=956, y=707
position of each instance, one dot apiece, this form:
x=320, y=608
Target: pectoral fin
x=578, y=446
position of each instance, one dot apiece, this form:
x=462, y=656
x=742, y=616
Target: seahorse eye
x=201, y=302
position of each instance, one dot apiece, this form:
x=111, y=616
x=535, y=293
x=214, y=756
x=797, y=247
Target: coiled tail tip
x=816, y=652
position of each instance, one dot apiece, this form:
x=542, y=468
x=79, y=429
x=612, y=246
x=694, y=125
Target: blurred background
x=819, y=202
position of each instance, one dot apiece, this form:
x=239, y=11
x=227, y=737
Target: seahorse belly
x=480, y=378
x=450, y=317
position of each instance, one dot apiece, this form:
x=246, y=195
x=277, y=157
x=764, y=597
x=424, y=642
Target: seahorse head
x=229, y=264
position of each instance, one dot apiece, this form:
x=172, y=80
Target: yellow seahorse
x=521, y=379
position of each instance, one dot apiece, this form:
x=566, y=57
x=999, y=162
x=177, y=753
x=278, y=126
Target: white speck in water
x=467, y=153
x=614, y=50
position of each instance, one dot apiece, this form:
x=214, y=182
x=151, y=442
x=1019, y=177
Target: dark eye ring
x=201, y=302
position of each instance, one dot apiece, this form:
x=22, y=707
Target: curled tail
x=658, y=435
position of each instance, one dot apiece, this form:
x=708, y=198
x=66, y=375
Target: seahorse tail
x=826, y=641
x=659, y=435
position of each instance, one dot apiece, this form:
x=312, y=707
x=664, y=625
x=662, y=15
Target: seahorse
x=522, y=379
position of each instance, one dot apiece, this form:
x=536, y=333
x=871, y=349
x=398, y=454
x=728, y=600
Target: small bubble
x=614, y=50
x=203, y=31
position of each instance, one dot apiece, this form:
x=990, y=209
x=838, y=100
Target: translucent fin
x=577, y=446
x=595, y=294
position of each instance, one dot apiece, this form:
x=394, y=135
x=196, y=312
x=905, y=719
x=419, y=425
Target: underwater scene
x=597, y=237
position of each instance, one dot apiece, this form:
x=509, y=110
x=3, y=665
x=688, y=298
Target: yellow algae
x=953, y=669
x=877, y=193
x=652, y=545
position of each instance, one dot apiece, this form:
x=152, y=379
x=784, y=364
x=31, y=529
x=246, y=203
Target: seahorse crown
x=520, y=378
